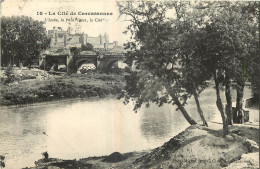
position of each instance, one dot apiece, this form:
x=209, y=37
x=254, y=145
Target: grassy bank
x=196, y=147
x=59, y=87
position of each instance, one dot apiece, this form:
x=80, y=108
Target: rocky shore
x=196, y=147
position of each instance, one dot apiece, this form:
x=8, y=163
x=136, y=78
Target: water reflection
x=77, y=129
x=72, y=129
x=20, y=135
x=158, y=123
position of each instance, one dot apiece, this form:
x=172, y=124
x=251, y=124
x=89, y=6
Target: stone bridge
x=72, y=62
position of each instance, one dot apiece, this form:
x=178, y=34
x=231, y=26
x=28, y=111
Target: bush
x=60, y=88
x=2, y=161
x=43, y=93
x=25, y=77
x=45, y=156
x=10, y=76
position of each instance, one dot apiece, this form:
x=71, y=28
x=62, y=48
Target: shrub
x=10, y=76
x=25, y=77
x=2, y=161
x=45, y=156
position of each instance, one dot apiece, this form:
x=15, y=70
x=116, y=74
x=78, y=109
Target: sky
x=58, y=13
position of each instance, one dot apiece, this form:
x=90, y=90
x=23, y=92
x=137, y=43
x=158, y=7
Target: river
x=70, y=129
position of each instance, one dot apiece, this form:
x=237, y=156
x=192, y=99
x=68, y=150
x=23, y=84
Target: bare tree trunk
x=20, y=64
x=184, y=112
x=198, y=106
x=239, y=103
x=12, y=61
x=220, y=106
x=180, y=106
x=229, y=101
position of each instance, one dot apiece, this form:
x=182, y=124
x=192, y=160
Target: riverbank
x=60, y=87
x=195, y=147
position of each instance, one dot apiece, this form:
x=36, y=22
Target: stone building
x=67, y=39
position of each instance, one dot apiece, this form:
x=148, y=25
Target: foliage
x=228, y=46
x=10, y=76
x=154, y=51
x=87, y=47
x=45, y=155
x=72, y=64
x=164, y=47
x=22, y=39
x=2, y=163
x=181, y=52
x=98, y=85
x=234, y=37
x=225, y=44
x=218, y=35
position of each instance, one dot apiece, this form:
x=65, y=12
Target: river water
x=70, y=129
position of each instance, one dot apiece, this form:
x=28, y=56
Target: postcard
x=129, y=84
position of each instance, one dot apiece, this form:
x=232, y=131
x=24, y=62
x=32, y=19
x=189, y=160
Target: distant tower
x=82, y=39
x=65, y=39
x=101, y=39
x=106, y=40
x=69, y=29
x=86, y=38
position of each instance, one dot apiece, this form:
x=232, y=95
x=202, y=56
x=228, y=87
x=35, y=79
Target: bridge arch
x=86, y=60
x=107, y=63
x=53, y=60
x=102, y=63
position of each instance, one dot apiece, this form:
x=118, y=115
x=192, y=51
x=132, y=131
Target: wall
x=64, y=39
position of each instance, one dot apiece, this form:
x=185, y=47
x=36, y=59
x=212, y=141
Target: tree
x=203, y=40
x=87, y=47
x=178, y=55
x=236, y=31
x=23, y=39
x=249, y=60
x=193, y=71
x=152, y=50
x=72, y=67
x=228, y=48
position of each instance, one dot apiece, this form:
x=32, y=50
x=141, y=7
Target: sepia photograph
x=112, y=84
